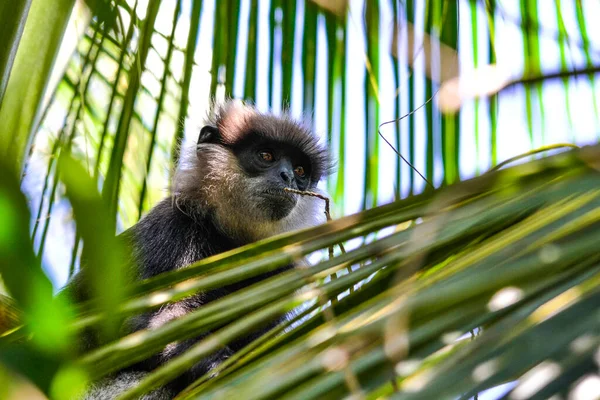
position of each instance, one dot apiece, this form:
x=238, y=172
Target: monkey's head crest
x=244, y=160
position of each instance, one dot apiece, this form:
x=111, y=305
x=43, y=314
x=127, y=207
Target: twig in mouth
x=327, y=212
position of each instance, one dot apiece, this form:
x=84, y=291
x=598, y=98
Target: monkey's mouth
x=278, y=203
x=280, y=193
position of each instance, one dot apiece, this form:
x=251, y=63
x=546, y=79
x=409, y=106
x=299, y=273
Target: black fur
x=229, y=197
x=167, y=238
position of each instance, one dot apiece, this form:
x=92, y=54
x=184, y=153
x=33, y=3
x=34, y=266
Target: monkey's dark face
x=273, y=166
x=244, y=162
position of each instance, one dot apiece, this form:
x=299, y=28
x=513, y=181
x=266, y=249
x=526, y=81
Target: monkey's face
x=244, y=162
x=271, y=167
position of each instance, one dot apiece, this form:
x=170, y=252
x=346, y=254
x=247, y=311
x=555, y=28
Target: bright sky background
x=512, y=127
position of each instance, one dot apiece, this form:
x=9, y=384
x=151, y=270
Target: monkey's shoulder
x=169, y=238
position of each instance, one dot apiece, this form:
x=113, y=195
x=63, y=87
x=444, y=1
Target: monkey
x=227, y=192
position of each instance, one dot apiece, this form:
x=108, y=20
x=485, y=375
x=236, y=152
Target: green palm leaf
x=451, y=291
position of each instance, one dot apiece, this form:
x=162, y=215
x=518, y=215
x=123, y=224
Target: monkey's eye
x=299, y=170
x=266, y=156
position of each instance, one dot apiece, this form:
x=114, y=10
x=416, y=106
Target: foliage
x=450, y=291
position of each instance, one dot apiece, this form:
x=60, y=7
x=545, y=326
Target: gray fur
x=111, y=387
x=212, y=180
x=235, y=118
x=215, y=206
x=210, y=177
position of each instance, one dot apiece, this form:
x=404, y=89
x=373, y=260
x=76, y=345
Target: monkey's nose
x=286, y=171
x=287, y=178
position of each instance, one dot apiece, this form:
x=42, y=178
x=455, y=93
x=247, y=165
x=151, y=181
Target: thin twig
x=313, y=194
x=530, y=79
x=350, y=378
x=398, y=120
x=320, y=196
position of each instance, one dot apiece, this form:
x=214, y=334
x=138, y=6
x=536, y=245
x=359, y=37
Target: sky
x=513, y=137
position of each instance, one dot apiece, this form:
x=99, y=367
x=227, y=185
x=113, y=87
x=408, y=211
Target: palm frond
x=442, y=294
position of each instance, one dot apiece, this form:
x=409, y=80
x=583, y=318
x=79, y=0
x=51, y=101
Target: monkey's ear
x=209, y=134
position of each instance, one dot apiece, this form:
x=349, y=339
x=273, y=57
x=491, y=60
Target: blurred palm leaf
x=29, y=69
x=510, y=253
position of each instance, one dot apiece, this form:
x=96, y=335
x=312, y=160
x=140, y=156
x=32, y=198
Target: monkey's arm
x=111, y=387
x=168, y=239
